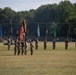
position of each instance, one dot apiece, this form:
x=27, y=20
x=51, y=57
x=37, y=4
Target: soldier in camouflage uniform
x=9, y=43
x=22, y=47
x=36, y=43
x=31, y=47
x=18, y=43
x=15, y=46
x=45, y=43
x=25, y=51
x=54, y=44
x=66, y=43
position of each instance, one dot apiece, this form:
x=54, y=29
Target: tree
x=63, y=14
x=66, y=12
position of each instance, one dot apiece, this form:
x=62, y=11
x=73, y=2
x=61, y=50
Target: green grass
x=42, y=62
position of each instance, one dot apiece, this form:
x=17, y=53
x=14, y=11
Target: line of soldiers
x=45, y=43
x=21, y=46
x=36, y=43
x=66, y=43
x=54, y=43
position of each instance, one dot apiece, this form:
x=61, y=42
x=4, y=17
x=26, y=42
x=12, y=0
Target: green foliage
x=64, y=14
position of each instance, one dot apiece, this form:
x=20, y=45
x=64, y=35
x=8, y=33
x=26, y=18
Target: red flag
x=21, y=33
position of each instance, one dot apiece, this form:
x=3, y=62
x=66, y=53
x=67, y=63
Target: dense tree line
x=63, y=14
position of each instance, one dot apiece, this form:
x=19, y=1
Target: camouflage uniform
x=18, y=46
x=31, y=47
x=25, y=51
x=15, y=47
x=66, y=44
x=36, y=43
x=54, y=44
x=9, y=43
x=22, y=46
x=45, y=44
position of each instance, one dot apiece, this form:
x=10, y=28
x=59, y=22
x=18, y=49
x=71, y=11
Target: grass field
x=42, y=62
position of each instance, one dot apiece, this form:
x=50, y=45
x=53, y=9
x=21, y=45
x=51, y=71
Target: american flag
x=22, y=33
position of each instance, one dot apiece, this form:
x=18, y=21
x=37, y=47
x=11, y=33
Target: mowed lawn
x=42, y=62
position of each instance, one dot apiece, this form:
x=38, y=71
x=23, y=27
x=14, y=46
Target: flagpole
x=17, y=33
x=54, y=35
x=11, y=31
x=11, y=26
x=45, y=37
x=54, y=30
x=46, y=31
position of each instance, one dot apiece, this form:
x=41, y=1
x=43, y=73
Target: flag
x=38, y=31
x=0, y=31
x=25, y=30
x=22, y=33
x=24, y=25
x=54, y=30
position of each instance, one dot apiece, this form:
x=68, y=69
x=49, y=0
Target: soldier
x=22, y=46
x=45, y=44
x=54, y=44
x=36, y=43
x=9, y=43
x=25, y=51
x=18, y=46
x=66, y=43
x=15, y=47
x=31, y=47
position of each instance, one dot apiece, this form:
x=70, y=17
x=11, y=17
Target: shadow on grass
x=7, y=55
